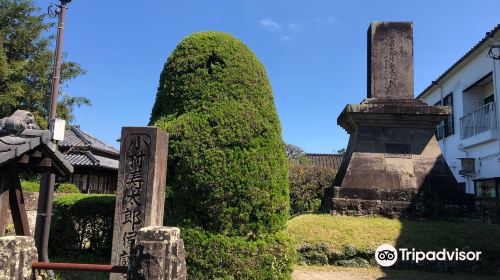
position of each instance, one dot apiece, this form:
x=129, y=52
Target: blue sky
x=314, y=52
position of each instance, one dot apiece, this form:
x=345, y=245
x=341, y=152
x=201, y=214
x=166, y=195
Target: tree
x=294, y=152
x=26, y=60
x=307, y=186
x=228, y=164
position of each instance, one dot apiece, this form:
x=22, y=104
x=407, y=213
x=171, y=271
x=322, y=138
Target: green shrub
x=34, y=186
x=313, y=254
x=30, y=186
x=67, y=188
x=82, y=226
x=228, y=169
x=307, y=185
x=82, y=223
x=215, y=256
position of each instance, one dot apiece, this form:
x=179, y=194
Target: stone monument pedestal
x=158, y=254
x=393, y=165
x=16, y=255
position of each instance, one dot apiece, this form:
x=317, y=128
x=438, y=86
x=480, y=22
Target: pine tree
x=26, y=60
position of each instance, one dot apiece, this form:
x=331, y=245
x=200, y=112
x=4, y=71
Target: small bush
x=307, y=184
x=215, y=256
x=83, y=223
x=313, y=254
x=30, y=186
x=67, y=188
x=10, y=230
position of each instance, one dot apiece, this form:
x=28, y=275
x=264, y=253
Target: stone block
x=364, y=146
x=140, y=193
x=372, y=164
x=390, y=60
x=158, y=254
x=16, y=255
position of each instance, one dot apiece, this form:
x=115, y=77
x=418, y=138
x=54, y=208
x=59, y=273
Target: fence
x=481, y=120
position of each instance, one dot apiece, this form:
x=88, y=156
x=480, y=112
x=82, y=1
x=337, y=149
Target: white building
x=470, y=138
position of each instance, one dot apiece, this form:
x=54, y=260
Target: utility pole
x=47, y=182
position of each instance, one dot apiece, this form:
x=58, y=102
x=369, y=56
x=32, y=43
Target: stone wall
x=487, y=210
x=483, y=210
x=31, y=205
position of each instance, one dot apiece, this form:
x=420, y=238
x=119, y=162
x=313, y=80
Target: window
x=489, y=99
x=487, y=188
x=440, y=127
x=449, y=124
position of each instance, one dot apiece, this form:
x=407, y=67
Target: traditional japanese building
x=95, y=162
x=332, y=161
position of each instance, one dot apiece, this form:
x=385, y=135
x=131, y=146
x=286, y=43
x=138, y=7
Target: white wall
x=487, y=154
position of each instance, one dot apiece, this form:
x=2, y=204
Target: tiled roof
x=479, y=44
x=75, y=137
x=326, y=160
x=87, y=158
x=16, y=141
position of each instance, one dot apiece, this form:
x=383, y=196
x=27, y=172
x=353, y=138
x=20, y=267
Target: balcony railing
x=481, y=120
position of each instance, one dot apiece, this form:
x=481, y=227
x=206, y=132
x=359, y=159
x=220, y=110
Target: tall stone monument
x=140, y=190
x=393, y=165
x=140, y=199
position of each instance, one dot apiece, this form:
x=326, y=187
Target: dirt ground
x=338, y=273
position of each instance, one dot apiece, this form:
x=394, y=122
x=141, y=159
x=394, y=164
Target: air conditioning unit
x=468, y=168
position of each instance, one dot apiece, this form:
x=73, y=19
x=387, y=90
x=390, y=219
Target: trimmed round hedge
x=227, y=162
x=216, y=256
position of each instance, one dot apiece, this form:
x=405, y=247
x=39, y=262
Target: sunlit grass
x=337, y=231
x=367, y=233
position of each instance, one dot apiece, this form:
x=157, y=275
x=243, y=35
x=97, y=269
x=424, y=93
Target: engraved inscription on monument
x=390, y=60
x=397, y=150
x=140, y=193
x=136, y=167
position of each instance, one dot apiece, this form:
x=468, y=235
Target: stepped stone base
x=402, y=209
x=393, y=165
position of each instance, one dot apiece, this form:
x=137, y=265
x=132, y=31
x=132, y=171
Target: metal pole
x=79, y=267
x=56, y=76
x=47, y=182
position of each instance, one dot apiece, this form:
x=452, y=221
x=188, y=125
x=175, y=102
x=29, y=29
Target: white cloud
x=270, y=24
x=295, y=27
x=286, y=38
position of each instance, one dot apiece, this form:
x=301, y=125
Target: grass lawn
x=323, y=239
x=367, y=233
x=337, y=231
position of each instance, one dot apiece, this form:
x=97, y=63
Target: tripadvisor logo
x=387, y=255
